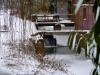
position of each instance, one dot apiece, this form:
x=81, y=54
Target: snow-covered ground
x=77, y=64
x=14, y=62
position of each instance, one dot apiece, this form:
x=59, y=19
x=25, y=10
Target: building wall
x=84, y=19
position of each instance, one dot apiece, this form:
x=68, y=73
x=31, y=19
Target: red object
x=84, y=19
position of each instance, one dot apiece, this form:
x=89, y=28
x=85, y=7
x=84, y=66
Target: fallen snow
x=15, y=62
x=77, y=64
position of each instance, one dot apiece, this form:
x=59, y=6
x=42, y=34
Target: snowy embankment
x=16, y=62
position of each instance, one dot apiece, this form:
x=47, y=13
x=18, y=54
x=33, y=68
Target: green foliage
x=79, y=35
x=82, y=45
x=97, y=31
x=95, y=7
x=95, y=72
x=85, y=1
x=71, y=39
x=98, y=1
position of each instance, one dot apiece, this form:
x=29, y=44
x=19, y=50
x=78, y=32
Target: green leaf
x=95, y=7
x=98, y=1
